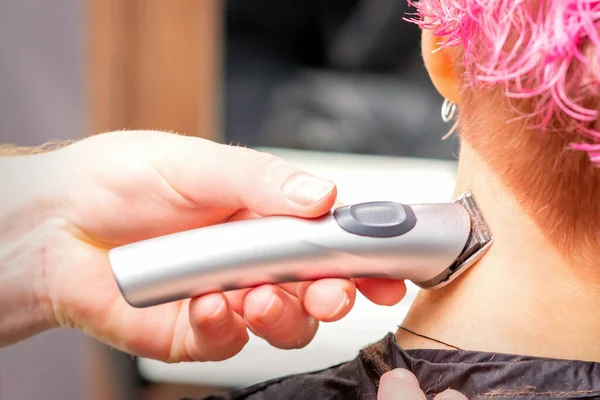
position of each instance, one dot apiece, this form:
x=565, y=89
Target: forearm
x=7, y=150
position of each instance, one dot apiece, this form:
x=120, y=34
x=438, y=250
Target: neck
x=522, y=297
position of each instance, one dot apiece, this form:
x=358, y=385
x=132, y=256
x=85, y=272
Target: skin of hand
x=63, y=210
x=401, y=384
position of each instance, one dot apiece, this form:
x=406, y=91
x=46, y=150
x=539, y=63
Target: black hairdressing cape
x=478, y=375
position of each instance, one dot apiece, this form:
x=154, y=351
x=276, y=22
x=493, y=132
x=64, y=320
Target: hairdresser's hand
x=65, y=209
x=401, y=384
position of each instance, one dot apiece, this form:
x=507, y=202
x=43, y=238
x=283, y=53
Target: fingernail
x=274, y=308
x=305, y=189
x=405, y=375
x=216, y=304
x=344, y=301
x=450, y=394
x=216, y=313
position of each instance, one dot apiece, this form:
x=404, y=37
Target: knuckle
x=268, y=163
x=262, y=172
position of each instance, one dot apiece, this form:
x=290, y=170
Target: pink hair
x=548, y=50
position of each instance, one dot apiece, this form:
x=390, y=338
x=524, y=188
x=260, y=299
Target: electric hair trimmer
x=428, y=244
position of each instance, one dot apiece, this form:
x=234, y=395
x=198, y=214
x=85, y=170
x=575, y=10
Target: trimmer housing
x=428, y=244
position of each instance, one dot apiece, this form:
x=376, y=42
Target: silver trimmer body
x=428, y=244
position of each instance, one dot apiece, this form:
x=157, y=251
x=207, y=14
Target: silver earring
x=448, y=114
x=448, y=111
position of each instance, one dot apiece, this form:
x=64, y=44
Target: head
x=525, y=75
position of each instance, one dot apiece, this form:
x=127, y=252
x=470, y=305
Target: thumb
x=217, y=175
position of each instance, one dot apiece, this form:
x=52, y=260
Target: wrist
x=29, y=230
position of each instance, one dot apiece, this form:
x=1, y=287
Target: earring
x=448, y=114
x=448, y=110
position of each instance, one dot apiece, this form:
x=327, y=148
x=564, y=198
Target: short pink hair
x=544, y=50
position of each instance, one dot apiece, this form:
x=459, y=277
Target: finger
x=399, y=384
x=329, y=300
x=278, y=317
x=401, y=373
x=384, y=292
x=235, y=177
x=450, y=394
x=217, y=332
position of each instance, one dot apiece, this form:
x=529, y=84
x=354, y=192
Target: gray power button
x=376, y=219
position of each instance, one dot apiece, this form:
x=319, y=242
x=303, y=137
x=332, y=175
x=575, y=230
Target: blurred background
x=337, y=86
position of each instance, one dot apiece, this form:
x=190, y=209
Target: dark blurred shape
x=336, y=75
x=356, y=114
x=373, y=37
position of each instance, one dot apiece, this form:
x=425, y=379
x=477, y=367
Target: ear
x=440, y=66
